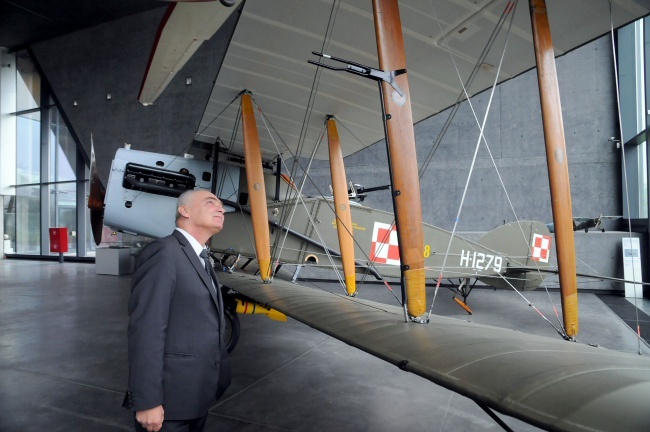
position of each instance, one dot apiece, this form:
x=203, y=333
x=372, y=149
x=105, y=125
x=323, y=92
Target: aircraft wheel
x=232, y=329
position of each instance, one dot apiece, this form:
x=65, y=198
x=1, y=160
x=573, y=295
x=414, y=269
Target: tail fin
x=527, y=246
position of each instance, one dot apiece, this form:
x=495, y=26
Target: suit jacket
x=177, y=356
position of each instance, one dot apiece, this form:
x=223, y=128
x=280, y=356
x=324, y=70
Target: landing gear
x=464, y=289
x=232, y=320
x=232, y=330
x=463, y=305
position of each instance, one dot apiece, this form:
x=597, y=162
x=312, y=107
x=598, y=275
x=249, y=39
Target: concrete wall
x=86, y=65
x=516, y=139
x=515, y=136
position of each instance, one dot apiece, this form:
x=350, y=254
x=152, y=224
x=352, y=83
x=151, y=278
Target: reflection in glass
x=62, y=149
x=28, y=215
x=9, y=211
x=45, y=189
x=90, y=242
x=28, y=83
x=28, y=138
x=63, y=211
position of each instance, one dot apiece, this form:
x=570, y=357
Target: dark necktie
x=209, y=269
x=215, y=286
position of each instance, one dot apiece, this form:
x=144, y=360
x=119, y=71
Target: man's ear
x=183, y=211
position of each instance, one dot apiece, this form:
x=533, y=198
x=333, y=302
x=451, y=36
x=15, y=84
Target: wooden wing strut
x=342, y=206
x=256, y=187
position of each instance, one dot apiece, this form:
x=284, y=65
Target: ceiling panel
x=273, y=41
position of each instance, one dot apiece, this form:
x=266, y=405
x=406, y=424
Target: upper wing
x=273, y=40
x=549, y=383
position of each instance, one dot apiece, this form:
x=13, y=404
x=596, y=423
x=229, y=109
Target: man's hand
x=151, y=419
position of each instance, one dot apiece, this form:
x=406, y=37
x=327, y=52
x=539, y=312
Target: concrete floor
x=63, y=361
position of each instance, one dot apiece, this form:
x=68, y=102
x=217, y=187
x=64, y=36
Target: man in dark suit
x=178, y=363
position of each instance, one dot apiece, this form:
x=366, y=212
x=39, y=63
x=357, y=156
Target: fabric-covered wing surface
x=273, y=40
x=184, y=28
x=549, y=383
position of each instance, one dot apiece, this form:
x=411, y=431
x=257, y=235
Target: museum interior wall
x=112, y=58
x=84, y=67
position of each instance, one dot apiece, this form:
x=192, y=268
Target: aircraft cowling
x=148, y=213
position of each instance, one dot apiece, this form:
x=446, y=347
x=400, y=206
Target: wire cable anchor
x=364, y=71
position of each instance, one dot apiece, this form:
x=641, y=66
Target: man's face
x=205, y=212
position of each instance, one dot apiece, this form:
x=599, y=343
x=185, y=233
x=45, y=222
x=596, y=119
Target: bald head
x=183, y=200
x=200, y=213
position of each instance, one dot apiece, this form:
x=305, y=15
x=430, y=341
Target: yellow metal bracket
x=246, y=307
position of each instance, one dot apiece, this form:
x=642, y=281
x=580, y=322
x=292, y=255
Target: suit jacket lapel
x=219, y=300
x=196, y=263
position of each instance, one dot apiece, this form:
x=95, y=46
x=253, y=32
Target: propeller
x=96, y=198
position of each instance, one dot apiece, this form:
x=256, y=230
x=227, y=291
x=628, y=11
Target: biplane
x=553, y=384
x=586, y=223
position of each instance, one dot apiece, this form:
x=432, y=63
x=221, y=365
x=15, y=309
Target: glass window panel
x=28, y=83
x=643, y=181
x=28, y=143
x=9, y=210
x=63, y=149
x=53, y=181
x=90, y=240
x=63, y=210
x=28, y=220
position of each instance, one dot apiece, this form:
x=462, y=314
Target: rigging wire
x=509, y=10
x=523, y=235
x=363, y=145
x=475, y=150
x=483, y=137
x=308, y=112
x=625, y=180
x=299, y=199
x=314, y=87
x=384, y=241
x=238, y=119
x=463, y=94
x=217, y=116
x=186, y=148
x=264, y=119
x=269, y=126
x=325, y=248
x=231, y=145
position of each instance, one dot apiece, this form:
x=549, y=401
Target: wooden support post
x=342, y=206
x=558, y=169
x=256, y=187
x=401, y=138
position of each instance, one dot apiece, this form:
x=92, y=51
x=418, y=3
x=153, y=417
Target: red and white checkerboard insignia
x=384, y=248
x=541, y=250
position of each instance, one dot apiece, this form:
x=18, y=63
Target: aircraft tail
x=526, y=247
